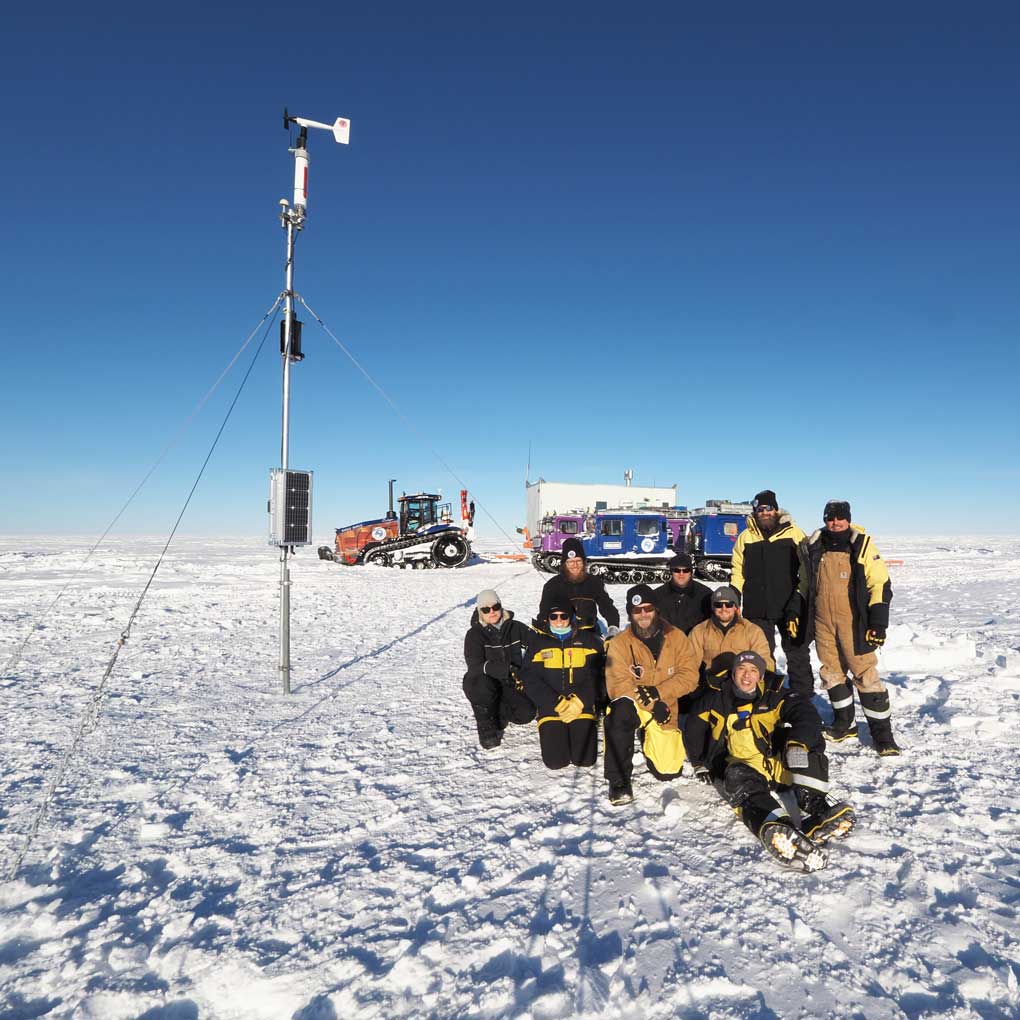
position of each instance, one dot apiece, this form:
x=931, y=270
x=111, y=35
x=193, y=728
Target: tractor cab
x=423, y=511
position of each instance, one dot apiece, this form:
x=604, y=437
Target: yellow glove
x=792, y=626
x=568, y=709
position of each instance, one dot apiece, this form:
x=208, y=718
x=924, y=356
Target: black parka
x=588, y=597
x=766, y=568
x=684, y=607
x=506, y=643
x=558, y=668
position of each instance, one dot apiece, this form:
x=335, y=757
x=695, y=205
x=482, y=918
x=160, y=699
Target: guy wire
x=403, y=417
x=41, y=618
x=90, y=716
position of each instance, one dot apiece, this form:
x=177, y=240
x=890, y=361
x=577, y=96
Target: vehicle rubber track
x=383, y=552
x=635, y=572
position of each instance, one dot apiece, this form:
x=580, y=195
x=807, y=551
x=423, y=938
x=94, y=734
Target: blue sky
x=776, y=248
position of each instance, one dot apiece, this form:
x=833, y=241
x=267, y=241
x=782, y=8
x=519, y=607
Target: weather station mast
x=290, y=492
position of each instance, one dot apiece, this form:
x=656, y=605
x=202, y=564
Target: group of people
x=692, y=677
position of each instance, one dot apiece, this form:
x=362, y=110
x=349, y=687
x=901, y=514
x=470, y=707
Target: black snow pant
x=798, y=657
x=748, y=790
x=619, y=727
x=496, y=702
x=564, y=744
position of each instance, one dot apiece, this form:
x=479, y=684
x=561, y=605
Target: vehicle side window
x=648, y=528
x=613, y=526
x=568, y=527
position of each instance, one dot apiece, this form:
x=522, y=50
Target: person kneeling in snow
x=494, y=650
x=562, y=675
x=749, y=736
x=650, y=669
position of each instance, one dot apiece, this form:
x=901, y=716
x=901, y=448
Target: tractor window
x=568, y=527
x=648, y=528
x=613, y=526
x=729, y=528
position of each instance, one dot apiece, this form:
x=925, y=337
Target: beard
x=646, y=632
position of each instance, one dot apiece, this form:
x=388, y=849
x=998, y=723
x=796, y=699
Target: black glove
x=702, y=775
x=497, y=670
x=515, y=680
x=792, y=615
x=647, y=695
x=660, y=713
x=875, y=636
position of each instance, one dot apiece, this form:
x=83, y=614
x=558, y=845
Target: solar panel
x=290, y=507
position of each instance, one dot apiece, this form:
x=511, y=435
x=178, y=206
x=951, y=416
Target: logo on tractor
x=647, y=544
x=378, y=534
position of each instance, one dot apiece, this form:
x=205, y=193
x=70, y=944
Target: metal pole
x=284, y=454
x=293, y=219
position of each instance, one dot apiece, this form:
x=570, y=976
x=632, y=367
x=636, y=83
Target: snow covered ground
x=221, y=851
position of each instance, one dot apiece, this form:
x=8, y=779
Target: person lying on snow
x=563, y=676
x=651, y=668
x=494, y=650
x=749, y=736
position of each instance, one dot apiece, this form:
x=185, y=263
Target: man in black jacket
x=587, y=594
x=766, y=572
x=682, y=601
x=494, y=650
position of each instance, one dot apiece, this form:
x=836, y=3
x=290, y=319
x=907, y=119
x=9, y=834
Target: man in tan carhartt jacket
x=725, y=633
x=650, y=668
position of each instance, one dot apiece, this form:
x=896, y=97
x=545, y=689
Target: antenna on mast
x=290, y=501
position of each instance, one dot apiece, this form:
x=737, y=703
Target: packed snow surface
x=218, y=850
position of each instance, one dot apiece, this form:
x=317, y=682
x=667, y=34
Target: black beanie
x=765, y=498
x=639, y=595
x=681, y=560
x=572, y=548
x=837, y=508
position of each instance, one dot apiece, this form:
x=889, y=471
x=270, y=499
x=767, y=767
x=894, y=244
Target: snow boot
x=490, y=735
x=791, y=848
x=620, y=792
x=877, y=712
x=843, y=726
x=823, y=819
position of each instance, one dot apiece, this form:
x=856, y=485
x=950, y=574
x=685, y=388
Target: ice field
x=221, y=851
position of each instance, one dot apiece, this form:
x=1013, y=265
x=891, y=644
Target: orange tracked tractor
x=422, y=535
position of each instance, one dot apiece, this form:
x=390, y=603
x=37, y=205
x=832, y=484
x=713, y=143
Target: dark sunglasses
x=832, y=517
x=559, y=616
x=681, y=570
x=725, y=605
x=642, y=610
x=763, y=508
x=491, y=609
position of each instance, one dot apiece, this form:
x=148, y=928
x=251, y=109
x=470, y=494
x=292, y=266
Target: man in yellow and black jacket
x=749, y=735
x=766, y=572
x=845, y=593
x=563, y=677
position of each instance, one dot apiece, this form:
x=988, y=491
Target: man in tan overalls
x=845, y=585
